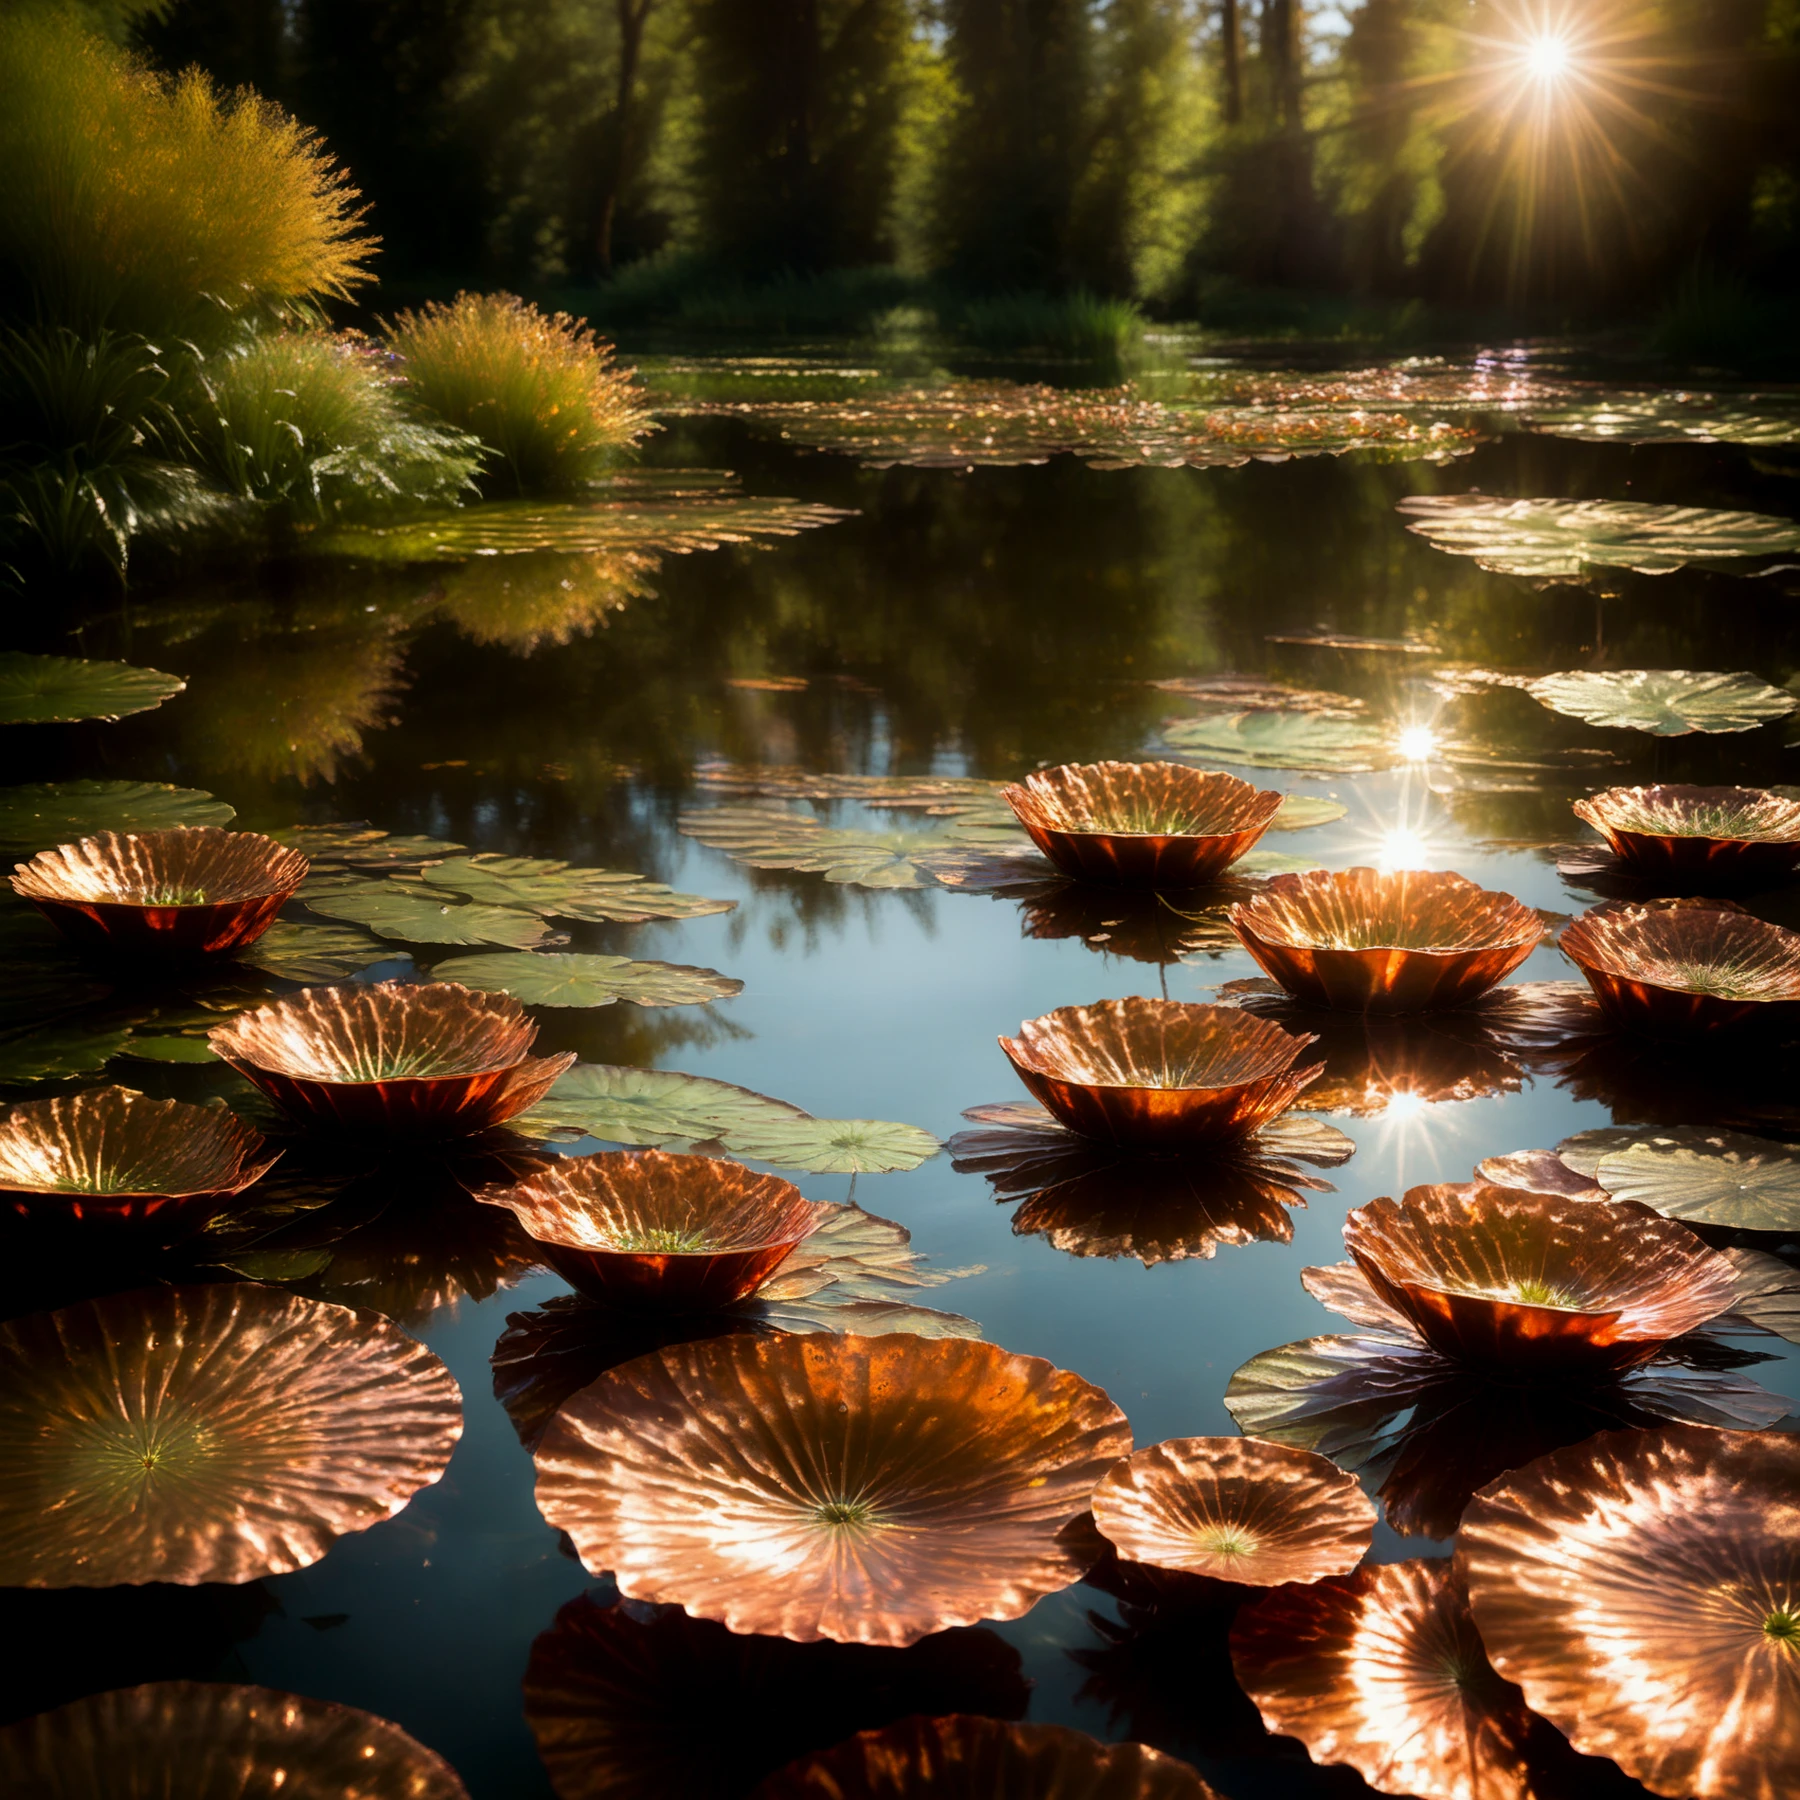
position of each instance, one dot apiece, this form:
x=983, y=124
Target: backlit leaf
x=1273, y=740
x=1301, y=812
x=545, y=979
x=1663, y=702
x=1667, y=418
x=57, y=812
x=38, y=689
x=416, y=915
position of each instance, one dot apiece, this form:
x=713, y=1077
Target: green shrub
x=136, y=203
x=539, y=390
x=320, y=426
x=1074, y=324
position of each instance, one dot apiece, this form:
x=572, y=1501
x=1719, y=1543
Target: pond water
x=969, y=614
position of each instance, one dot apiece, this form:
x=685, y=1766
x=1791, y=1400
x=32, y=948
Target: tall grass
x=132, y=202
x=319, y=425
x=1073, y=324
x=539, y=390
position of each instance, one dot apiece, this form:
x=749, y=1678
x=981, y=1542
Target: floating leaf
x=559, y=890
x=416, y=915
x=57, y=812
x=1675, y=419
x=1663, y=702
x=648, y=1106
x=1343, y=640
x=1564, y=539
x=278, y=1265
x=942, y=796
x=57, y=1052
x=357, y=845
x=169, y=1048
x=1256, y=693
x=42, y=689
x=1274, y=862
x=1708, y=1178
x=300, y=951
x=833, y=1146
x=1768, y=1292
x=1271, y=740
x=1301, y=812
x=575, y=980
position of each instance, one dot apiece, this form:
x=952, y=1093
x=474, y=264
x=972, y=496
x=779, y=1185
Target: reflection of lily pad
x=414, y=915
x=307, y=952
x=558, y=890
x=1564, y=539
x=56, y=812
x=834, y=1146
x=1663, y=702
x=1301, y=812
x=573, y=980
x=1709, y=1178
x=40, y=689
x=1273, y=740
x=647, y=1106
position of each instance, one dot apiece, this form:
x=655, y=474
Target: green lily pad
x=355, y=845
x=1301, y=812
x=1673, y=419
x=544, y=979
x=57, y=812
x=57, y=1052
x=415, y=915
x=278, y=1265
x=648, y=1106
x=1274, y=862
x=168, y=1048
x=1708, y=1178
x=46, y=689
x=1663, y=702
x=1281, y=740
x=939, y=796
x=558, y=890
x=297, y=950
x=833, y=1146
x=1562, y=540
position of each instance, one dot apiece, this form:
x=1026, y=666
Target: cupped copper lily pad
x=1674, y=970
x=1152, y=824
x=1536, y=1284
x=1644, y=1590
x=1359, y=941
x=194, y=890
x=114, y=1165
x=1236, y=1510
x=968, y=1758
x=1712, y=836
x=870, y=1490
x=207, y=1434
x=1384, y=1670
x=209, y=1740
x=1159, y=1073
x=395, y=1056
x=650, y=1231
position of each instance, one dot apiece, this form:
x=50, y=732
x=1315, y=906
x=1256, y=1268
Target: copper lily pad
x=1644, y=1589
x=1672, y=970
x=1536, y=1284
x=208, y=1740
x=1159, y=1073
x=1384, y=1670
x=394, y=1056
x=1236, y=1510
x=1366, y=942
x=207, y=1434
x=193, y=890
x=649, y=1231
x=870, y=1490
x=1141, y=824
x=1712, y=836
x=113, y=1163
x=962, y=1758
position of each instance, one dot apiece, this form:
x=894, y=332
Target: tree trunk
x=1231, y=34
x=633, y=15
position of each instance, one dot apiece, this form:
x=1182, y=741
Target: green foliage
x=320, y=425
x=1719, y=320
x=539, y=391
x=136, y=203
x=1074, y=324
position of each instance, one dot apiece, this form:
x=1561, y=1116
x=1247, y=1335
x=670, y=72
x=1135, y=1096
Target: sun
x=1548, y=57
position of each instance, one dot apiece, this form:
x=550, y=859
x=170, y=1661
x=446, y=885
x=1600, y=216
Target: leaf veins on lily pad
x=57, y=812
x=302, y=951
x=833, y=1146
x=1274, y=740
x=650, y=1107
x=1663, y=702
x=44, y=689
x=547, y=979
x=1675, y=419
x=415, y=915
x=1561, y=540
x=558, y=890
x=1708, y=1178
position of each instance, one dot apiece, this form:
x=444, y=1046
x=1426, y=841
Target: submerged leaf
x=42, y=689
x=648, y=1106
x=559, y=890
x=1271, y=740
x=833, y=1146
x=298, y=951
x=1564, y=539
x=57, y=812
x=543, y=979
x=1663, y=702
x=416, y=915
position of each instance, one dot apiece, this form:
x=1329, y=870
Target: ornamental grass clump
x=539, y=390
x=138, y=203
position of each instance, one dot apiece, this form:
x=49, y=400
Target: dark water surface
x=980, y=622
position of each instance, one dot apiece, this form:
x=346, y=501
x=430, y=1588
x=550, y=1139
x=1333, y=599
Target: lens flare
x=1548, y=58
x=1417, y=743
x=1401, y=848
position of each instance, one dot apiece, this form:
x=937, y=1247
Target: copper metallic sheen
x=967, y=1758
x=651, y=1231
x=1644, y=1590
x=1673, y=971
x=1384, y=1670
x=1153, y=824
x=1235, y=1509
x=111, y=1164
x=1159, y=1073
x=1537, y=1284
x=207, y=1434
x=206, y=1740
x=870, y=1490
x=395, y=1056
x=192, y=890
x=1359, y=941
x=1704, y=836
